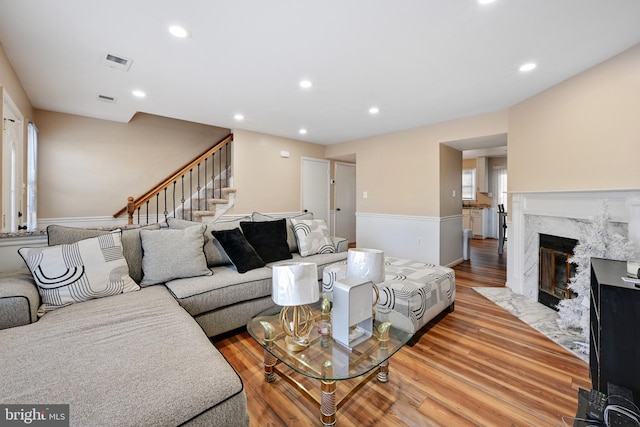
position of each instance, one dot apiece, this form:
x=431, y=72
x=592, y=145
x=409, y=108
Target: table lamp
x=367, y=264
x=295, y=286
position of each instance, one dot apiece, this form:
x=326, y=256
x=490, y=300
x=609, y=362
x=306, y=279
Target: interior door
x=345, y=201
x=315, y=187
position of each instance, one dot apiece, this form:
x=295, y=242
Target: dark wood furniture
x=614, y=327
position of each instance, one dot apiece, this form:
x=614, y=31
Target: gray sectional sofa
x=142, y=357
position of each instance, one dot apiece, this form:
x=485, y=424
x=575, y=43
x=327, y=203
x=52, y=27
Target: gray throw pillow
x=213, y=251
x=291, y=235
x=173, y=254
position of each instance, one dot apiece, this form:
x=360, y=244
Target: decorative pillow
x=268, y=238
x=291, y=235
x=313, y=237
x=131, y=245
x=213, y=251
x=88, y=269
x=173, y=254
x=242, y=254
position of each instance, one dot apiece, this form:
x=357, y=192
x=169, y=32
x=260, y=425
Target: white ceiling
x=419, y=61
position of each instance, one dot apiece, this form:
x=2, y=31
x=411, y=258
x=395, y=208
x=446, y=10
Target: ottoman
x=412, y=294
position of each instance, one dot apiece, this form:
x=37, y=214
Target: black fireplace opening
x=555, y=270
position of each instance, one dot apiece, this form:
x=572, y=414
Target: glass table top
x=346, y=363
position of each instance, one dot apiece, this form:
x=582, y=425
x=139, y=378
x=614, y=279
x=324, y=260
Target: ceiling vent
x=105, y=98
x=118, y=62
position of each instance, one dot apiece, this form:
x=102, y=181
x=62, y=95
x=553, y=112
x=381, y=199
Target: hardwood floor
x=477, y=366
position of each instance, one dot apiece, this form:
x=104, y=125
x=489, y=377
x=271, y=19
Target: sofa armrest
x=19, y=299
x=340, y=243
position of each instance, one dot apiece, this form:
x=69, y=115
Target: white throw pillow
x=88, y=269
x=313, y=237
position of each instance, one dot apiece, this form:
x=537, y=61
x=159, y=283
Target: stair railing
x=181, y=190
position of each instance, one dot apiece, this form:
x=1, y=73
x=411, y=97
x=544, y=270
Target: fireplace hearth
x=555, y=270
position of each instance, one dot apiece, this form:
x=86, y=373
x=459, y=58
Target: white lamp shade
x=295, y=283
x=366, y=264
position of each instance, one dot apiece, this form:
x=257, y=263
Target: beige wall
x=583, y=134
x=401, y=171
x=88, y=167
x=265, y=181
x=10, y=83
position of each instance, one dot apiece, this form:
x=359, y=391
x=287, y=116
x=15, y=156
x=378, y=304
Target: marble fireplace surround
x=564, y=214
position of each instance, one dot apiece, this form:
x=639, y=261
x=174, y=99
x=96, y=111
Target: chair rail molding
x=435, y=240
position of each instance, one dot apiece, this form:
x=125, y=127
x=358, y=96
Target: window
x=32, y=175
x=468, y=184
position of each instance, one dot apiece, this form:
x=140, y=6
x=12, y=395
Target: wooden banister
x=133, y=204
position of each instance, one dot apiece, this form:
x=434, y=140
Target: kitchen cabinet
x=482, y=175
x=480, y=221
x=466, y=219
x=476, y=223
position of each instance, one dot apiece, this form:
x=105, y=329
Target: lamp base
x=294, y=344
x=296, y=327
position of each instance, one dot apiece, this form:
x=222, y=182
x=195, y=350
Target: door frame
x=328, y=189
x=335, y=197
x=11, y=112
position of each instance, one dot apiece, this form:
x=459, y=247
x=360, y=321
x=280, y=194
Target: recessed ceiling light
x=485, y=1
x=238, y=117
x=374, y=110
x=528, y=66
x=302, y=131
x=179, y=31
x=306, y=84
x=138, y=93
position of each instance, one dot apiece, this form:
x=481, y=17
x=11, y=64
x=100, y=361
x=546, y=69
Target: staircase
x=199, y=191
x=212, y=207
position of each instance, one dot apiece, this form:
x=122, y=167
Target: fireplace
x=559, y=213
x=555, y=270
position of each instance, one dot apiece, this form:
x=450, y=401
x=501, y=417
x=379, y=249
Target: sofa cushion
x=321, y=260
x=268, y=238
x=131, y=245
x=291, y=235
x=313, y=237
x=171, y=254
x=136, y=359
x=19, y=298
x=213, y=250
x=88, y=269
x=243, y=256
x=225, y=288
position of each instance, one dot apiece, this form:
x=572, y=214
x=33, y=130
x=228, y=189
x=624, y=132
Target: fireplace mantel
x=565, y=214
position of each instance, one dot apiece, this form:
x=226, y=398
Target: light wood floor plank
x=477, y=366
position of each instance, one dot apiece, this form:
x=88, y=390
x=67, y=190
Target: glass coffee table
x=326, y=360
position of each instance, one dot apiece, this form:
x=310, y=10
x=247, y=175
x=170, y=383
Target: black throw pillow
x=239, y=251
x=268, y=238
